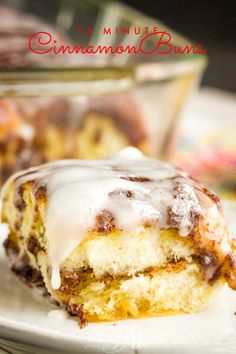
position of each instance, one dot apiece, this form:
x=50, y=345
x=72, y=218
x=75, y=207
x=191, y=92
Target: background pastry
x=40, y=130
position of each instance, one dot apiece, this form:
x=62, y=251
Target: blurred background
x=209, y=22
x=85, y=106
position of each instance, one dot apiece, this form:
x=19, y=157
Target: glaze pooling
x=133, y=189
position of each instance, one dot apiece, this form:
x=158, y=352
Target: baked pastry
x=128, y=236
x=38, y=130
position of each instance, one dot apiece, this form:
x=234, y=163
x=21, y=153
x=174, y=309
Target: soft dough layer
x=174, y=288
x=116, y=273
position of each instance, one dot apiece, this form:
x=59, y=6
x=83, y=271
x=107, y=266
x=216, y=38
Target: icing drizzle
x=133, y=189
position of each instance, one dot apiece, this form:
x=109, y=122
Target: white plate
x=25, y=327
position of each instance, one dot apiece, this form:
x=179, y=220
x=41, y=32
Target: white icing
x=78, y=190
x=129, y=152
x=4, y=230
x=56, y=278
x=58, y=314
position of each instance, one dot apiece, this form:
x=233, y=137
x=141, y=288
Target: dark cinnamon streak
x=22, y=267
x=11, y=248
x=214, y=197
x=136, y=179
x=77, y=310
x=27, y=273
x=105, y=222
x=40, y=191
x=33, y=246
x=122, y=193
x=18, y=199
